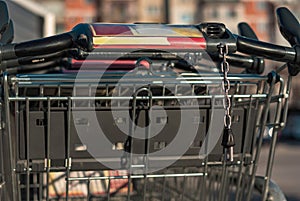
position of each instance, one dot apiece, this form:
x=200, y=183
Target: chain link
x=223, y=51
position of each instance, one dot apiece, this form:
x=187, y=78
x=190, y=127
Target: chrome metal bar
x=259, y=145
x=48, y=160
x=138, y=98
x=239, y=182
x=68, y=158
x=27, y=152
x=273, y=143
x=13, y=188
x=138, y=176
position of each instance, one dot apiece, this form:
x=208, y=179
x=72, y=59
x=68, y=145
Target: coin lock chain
x=228, y=137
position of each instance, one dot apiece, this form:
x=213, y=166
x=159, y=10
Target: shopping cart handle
x=268, y=50
x=80, y=37
x=259, y=63
x=288, y=25
x=252, y=64
x=245, y=30
x=8, y=35
x=4, y=18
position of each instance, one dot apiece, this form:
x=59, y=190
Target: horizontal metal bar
x=138, y=98
x=136, y=176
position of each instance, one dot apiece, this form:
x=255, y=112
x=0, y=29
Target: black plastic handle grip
x=4, y=18
x=288, y=25
x=245, y=30
x=32, y=60
x=35, y=47
x=268, y=50
x=258, y=65
x=79, y=37
x=8, y=35
x=252, y=64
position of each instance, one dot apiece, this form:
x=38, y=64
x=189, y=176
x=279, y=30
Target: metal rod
x=138, y=98
x=13, y=188
x=48, y=161
x=273, y=143
x=246, y=142
x=138, y=176
x=27, y=152
x=259, y=145
x=68, y=159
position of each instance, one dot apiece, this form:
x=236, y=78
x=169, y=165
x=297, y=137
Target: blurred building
x=70, y=12
x=30, y=20
x=258, y=13
x=117, y=10
x=77, y=11
x=151, y=11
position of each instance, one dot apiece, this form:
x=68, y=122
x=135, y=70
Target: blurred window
x=153, y=10
x=120, y=13
x=231, y=13
x=215, y=13
x=187, y=18
x=261, y=5
x=261, y=27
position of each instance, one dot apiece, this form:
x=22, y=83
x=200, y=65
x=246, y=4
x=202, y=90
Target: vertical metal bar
x=287, y=95
x=273, y=143
x=17, y=128
x=41, y=95
x=48, y=160
x=27, y=152
x=2, y=181
x=108, y=189
x=164, y=189
x=88, y=186
x=262, y=89
x=262, y=128
x=58, y=94
x=164, y=94
x=34, y=186
x=68, y=159
x=89, y=94
x=205, y=175
x=224, y=176
x=147, y=143
x=131, y=127
x=183, y=188
x=41, y=181
x=119, y=95
x=11, y=171
x=246, y=143
x=107, y=95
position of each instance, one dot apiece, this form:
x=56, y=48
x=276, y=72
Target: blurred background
x=63, y=15
x=40, y=18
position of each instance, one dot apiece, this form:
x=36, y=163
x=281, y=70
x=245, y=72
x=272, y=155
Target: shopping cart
x=143, y=133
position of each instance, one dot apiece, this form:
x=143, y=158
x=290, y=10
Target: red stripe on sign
x=104, y=64
x=110, y=29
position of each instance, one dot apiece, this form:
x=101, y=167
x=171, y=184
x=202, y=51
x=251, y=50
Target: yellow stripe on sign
x=130, y=41
x=188, y=32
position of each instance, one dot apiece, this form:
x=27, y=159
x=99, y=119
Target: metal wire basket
x=56, y=152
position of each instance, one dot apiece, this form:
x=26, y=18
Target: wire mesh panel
x=135, y=137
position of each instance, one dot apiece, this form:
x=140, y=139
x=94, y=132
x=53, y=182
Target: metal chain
x=228, y=136
x=223, y=51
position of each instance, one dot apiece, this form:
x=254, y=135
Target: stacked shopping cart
x=140, y=112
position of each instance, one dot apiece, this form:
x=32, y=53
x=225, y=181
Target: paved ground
x=286, y=170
